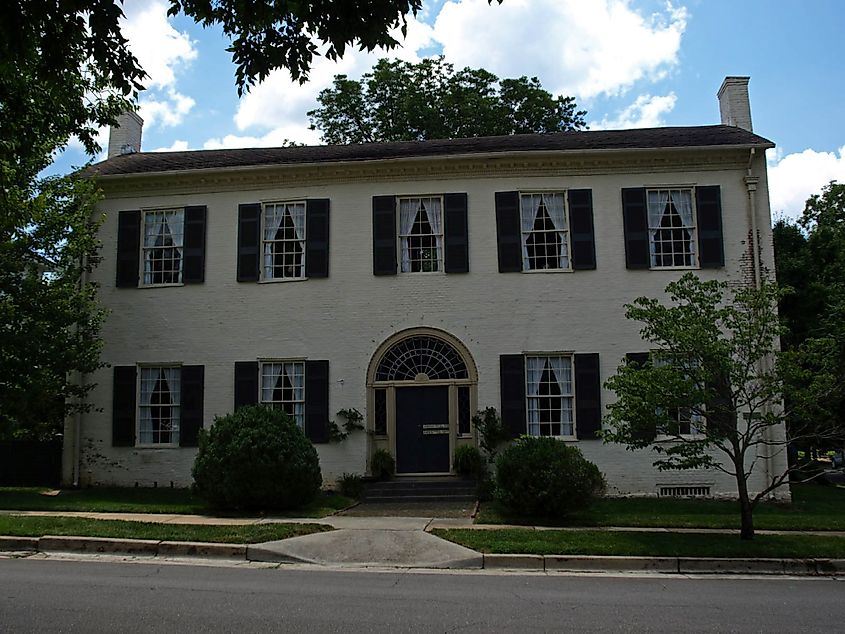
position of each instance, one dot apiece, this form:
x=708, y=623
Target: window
x=380, y=422
x=671, y=228
x=549, y=396
x=464, y=417
x=162, y=252
x=160, y=408
x=545, y=232
x=683, y=420
x=421, y=234
x=283, y=387
x=283, y=240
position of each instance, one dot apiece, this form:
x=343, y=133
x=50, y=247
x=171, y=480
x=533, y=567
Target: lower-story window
x=549, y=395
x=283, y=387
x=160, y=407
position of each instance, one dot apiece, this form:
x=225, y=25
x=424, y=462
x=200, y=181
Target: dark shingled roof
x=644, y=138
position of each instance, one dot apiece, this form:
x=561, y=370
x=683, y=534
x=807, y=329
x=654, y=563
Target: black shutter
x=638, y=359
x=587, y=396
x=635, y=219
x=384, y=235
x=512, y=386
x=317, y=238
x=708, y=204
x=581, y=223
x=193, y=381
x=456, y=234
x=249, y=232
x=123, y=406
x=508, y=232
x=317, y=400
x=193, y=270
x=246, y=383
x=128, y=248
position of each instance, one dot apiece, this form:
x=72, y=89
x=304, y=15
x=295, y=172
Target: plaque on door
x=435, y=429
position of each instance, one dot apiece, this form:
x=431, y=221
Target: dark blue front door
x=422, y=429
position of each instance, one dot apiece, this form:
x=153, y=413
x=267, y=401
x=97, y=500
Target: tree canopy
x=403, y=101
x=709, y=395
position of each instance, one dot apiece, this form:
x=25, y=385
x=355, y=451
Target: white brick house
x=416, y=282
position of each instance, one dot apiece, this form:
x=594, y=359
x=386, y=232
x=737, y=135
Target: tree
x=402, y=101
x=810, y=260
x=710, y=394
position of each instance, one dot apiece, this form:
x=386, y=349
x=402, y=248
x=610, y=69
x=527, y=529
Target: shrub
x=468, y=461
x=382, y=465
x=256, y=458
x=543, y=477
x=351, y=485
x=491, y=431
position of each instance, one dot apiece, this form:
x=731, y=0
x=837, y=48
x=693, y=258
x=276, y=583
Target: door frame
x=388, y=440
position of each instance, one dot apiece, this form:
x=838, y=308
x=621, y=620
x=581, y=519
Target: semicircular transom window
x=421, y=355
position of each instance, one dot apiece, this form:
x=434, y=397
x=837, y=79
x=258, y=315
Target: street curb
x=18, y=544
x=135, y=547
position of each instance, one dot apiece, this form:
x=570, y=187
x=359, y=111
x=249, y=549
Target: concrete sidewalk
x=402, y=542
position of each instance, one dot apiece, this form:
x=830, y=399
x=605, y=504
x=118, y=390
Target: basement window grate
x=684, y=491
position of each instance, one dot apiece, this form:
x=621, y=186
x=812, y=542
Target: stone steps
x=420, y=489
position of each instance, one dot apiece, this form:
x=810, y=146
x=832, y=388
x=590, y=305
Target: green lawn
x=559, y=542
x=813, y=507
x=17, y=525
x=141, y=500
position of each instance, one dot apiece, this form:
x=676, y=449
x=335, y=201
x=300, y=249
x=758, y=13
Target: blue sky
x=629, y=63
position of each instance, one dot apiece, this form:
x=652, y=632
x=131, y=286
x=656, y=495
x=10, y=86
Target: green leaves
x=401, y=101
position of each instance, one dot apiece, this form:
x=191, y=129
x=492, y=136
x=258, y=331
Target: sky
x=629, y=63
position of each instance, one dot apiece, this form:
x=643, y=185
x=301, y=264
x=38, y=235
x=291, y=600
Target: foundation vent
x=685, y=491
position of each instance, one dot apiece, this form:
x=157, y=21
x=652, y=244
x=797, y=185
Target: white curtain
x=148, y=380
x=297, y=212
x=175, y=222
x=683, y=203
x=435, y=219
x=152, y=229
x=534, y=372
x=407, y=216
x=297, y=380
x=273, y=215
x=528, y=206
x=562, y=369
x=555, y=209
x=658, y=201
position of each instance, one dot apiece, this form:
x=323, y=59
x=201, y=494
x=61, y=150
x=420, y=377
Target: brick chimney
x=733, y=102
x=125, y=135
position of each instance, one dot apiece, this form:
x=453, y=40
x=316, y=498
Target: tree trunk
x=745, y=509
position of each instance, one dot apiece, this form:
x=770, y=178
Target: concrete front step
x=419, y=498
x=434, y=489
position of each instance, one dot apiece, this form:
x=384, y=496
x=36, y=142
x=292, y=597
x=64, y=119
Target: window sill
x=680, y=438
x=422, y=273
x=674, y=268
x=542, y=271
x=561, y=438
x=169, y=445
x=171, y=285
x=283, y=280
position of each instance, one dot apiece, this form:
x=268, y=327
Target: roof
x=643, y=138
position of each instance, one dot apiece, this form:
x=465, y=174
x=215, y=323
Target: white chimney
x=125, y=135
x=733, y=102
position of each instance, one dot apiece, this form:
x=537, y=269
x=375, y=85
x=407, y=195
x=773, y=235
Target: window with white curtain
x=683, y=420
x=283, y=387
x=160, y=405
x=283, y=240
x=671, y=228
x=545, y=231
x=162, y=249
x=421, y=234
x=550, y=396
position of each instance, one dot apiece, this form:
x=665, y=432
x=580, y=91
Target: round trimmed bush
x=256, y=459
x=543, y=477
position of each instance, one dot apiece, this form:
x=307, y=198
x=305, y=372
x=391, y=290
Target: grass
x=559, y=542
x=141, y=500
x=21, y=526
x=813, y=507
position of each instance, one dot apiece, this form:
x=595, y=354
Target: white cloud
x=795, y=177
x=168, y=110
x=278, y=103
x=274, y=138
x=584, y=49
x=646, y=112
x=176, y=146
x=163, y=53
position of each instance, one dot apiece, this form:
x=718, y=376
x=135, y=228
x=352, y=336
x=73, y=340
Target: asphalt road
x=82, y=596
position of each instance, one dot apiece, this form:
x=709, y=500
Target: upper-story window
x=671, y=228
x=283, y=240
x=421, y=234
x=163, y=245
x=545, y=232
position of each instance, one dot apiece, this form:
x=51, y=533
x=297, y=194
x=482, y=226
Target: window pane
x=284, y=240
x=549, y=395
x=380, y=418
x=160, y=407
x=671, y=224
x=162, y=248
x=545, y=232
x=421, y=234
x=464, y=418
x=283, y=387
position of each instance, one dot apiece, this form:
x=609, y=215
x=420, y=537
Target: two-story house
x=415, y=282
